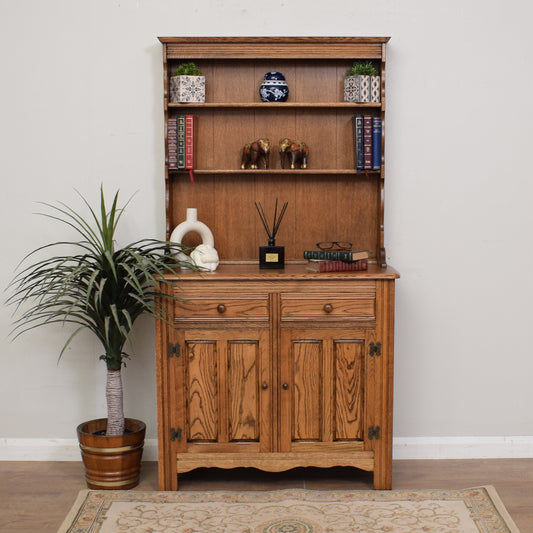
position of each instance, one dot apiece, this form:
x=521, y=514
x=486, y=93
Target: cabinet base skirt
x=274, y=462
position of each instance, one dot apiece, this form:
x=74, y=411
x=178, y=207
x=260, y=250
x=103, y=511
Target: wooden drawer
x=330, y=306
x=222, y=306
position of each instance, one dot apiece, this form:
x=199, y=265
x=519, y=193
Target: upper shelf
x=278, y=105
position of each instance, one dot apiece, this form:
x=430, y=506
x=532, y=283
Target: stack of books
x=336, y=260
x=181, y=140
x=367, y=142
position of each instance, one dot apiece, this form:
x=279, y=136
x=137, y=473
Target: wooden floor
x=36, y=496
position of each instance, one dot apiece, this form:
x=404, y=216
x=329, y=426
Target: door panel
x=348, y=363
x=222, y=400
x=307, y=363
x=243, y=389
x=202, y=391
x=322, y=392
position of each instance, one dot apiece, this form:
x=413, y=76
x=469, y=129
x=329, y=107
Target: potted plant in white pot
x=98, y=287
x=187, y=85
x=362, y=83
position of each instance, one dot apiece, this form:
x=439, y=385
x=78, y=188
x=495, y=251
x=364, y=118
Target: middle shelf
x=308, y=171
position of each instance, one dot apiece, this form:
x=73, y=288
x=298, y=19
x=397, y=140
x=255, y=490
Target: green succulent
x=187, y=69
x=363, y=68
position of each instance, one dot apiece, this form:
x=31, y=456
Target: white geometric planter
x=375, y=88
x=357, y=89
x=187, y=89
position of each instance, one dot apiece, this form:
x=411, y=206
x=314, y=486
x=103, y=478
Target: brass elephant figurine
x=297, y=152
x=256, y=153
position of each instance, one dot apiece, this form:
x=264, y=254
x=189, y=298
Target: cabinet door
x=221, y=400
x=322, y=394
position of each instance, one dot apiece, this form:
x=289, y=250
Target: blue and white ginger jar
x=274, y=88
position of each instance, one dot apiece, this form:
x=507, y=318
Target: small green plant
x=187, y=69
x=363, y=68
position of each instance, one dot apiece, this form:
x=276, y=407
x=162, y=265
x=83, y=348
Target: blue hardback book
x=376, y=143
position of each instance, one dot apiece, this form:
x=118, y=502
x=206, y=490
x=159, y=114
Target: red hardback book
x=337, y=266
x=367, y=142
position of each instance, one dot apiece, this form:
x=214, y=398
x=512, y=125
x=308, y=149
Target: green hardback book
x=181, y=142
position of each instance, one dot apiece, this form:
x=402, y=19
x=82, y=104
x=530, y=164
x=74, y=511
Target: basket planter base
x=111, y=463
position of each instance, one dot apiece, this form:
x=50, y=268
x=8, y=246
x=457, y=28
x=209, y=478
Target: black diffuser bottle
x=271, y=256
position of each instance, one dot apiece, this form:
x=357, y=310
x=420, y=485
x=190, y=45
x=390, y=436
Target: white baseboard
x=404, y=448
x=55, y=450
x=462, y=447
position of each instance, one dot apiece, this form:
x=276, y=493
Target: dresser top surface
x=291, y=272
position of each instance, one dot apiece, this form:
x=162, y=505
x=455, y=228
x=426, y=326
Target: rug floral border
x=483, y=503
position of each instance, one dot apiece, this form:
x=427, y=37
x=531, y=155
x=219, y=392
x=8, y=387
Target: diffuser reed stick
x=271, y=256
x=276, y=222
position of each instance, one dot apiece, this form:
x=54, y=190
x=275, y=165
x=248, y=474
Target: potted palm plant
x=98, y=287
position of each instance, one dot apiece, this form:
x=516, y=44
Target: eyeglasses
x=334, y=244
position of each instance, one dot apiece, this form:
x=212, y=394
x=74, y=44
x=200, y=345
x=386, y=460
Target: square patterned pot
x=375, y=89
x=185, y=89
x=357, y=89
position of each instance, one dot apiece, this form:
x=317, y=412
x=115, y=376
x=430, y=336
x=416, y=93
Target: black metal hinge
x=173, y=349
x=374, y=349
x=175, y=434
x=373, y=432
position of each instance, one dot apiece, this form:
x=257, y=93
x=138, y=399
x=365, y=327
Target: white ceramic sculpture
x=203, y=255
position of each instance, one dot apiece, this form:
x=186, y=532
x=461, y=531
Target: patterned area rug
x=290, y=511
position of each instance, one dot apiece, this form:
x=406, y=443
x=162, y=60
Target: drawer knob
x=265, y=385
x=285, y=386
x=221, y=308
x=328, y=308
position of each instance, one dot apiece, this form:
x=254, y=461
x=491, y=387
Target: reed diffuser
x=271, y=256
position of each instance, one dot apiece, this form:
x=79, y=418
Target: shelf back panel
x=339, y=208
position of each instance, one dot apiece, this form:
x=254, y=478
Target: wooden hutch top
x=328, y=201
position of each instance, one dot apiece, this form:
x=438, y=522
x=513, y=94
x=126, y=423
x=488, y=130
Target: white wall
x=81, y=104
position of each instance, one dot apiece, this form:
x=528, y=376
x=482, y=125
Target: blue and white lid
x=274, y=76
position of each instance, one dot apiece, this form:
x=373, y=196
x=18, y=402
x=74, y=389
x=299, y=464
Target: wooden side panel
x=166, y=403
x=349, y=371
x=383, y=393
x=307, y=358
x=243, y=390
x=202, y=390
